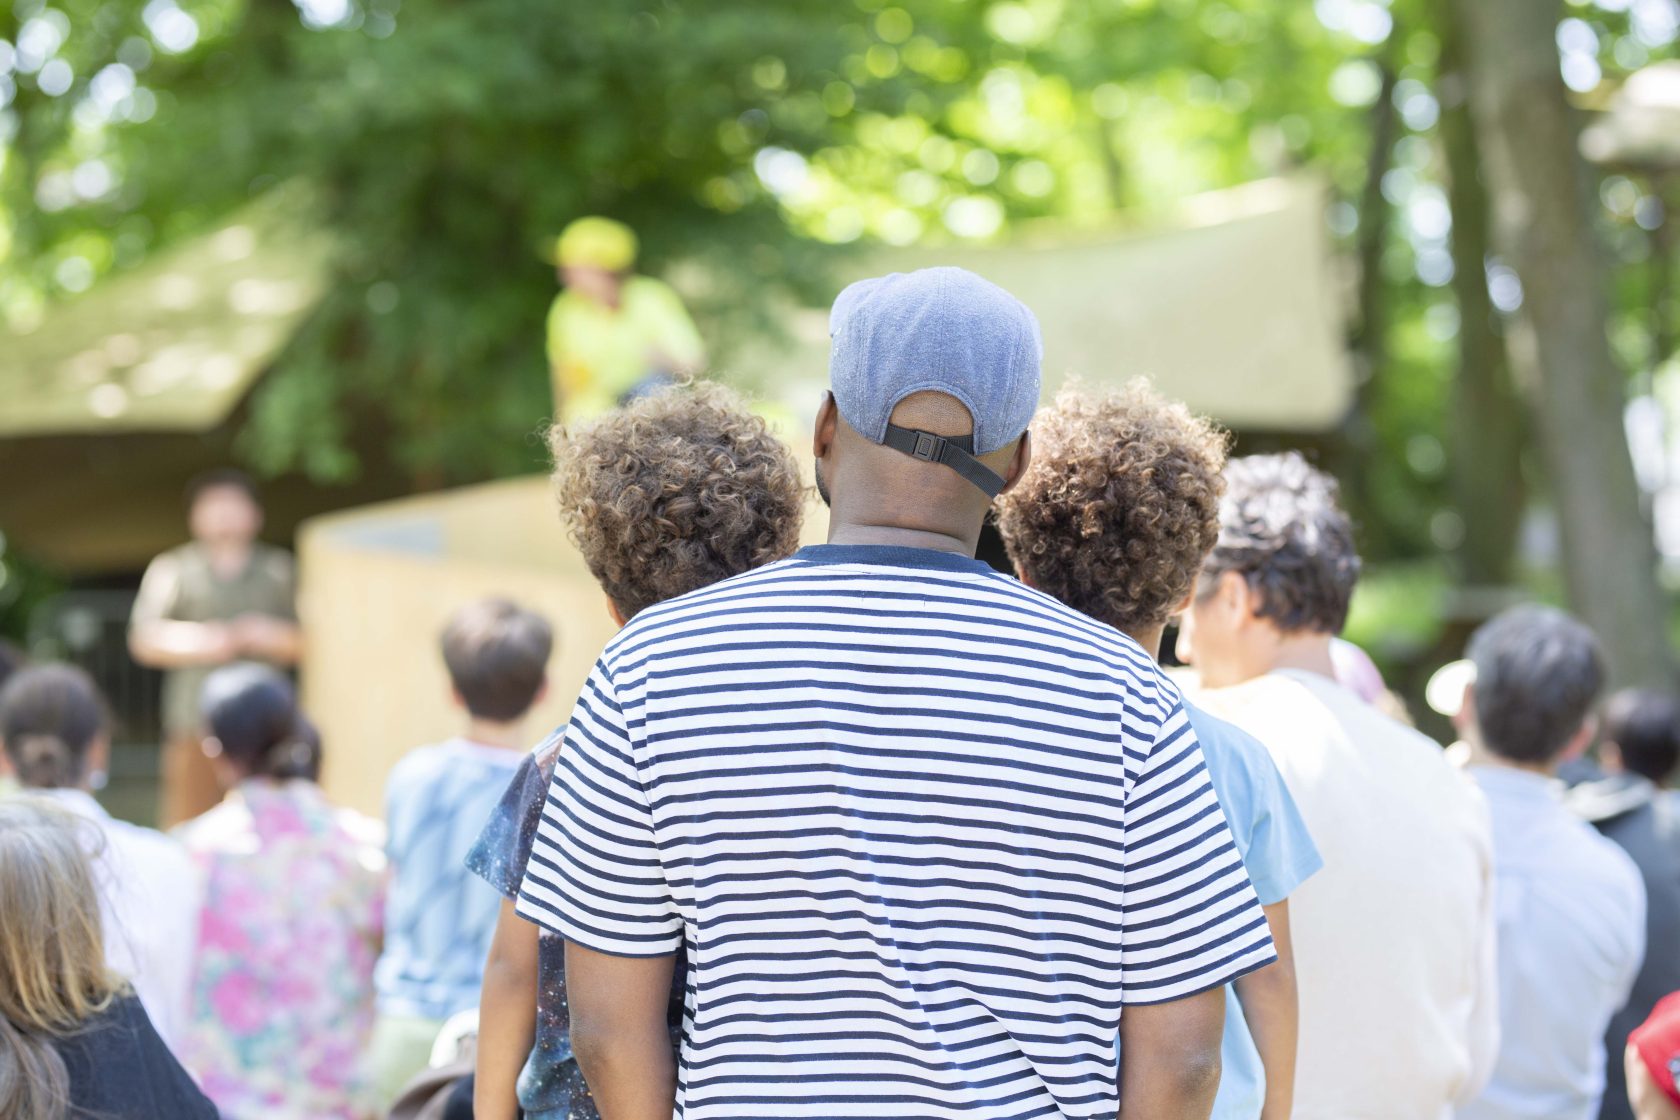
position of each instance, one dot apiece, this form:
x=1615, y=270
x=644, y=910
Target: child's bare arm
x=1268, y=1002
x=507, y=1016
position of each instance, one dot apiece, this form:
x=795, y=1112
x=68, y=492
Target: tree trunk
x=1558, y=343
x=1488, y=425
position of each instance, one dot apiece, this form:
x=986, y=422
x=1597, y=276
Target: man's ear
x=1465, y=718
x=822, y=437
x=1236, y=596
x=1583, y=739
x=1019, y=464
x=1023, y=577
x=211, y=746
x=615, y=612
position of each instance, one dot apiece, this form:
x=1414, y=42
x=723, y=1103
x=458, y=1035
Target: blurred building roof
x=174, y=344
x=1640, y=123
x=1237, y=307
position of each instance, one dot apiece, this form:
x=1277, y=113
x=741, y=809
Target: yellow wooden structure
x=379, y=584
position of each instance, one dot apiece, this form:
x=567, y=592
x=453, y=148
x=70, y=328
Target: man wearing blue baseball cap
x=931, y=839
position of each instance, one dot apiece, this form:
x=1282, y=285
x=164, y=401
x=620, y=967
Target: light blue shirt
x=1279, y=855
x=439, y=917
x=1571, y=917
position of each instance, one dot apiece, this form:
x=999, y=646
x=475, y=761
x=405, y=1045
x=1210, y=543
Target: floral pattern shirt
x=282, y=994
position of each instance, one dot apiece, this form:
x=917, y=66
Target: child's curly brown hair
x=1120, y=505
x=675, y=491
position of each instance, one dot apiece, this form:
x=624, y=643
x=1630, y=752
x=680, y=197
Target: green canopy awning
x=174, y=344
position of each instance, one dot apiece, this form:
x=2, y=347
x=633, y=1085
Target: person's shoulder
x=1232, y=754
x=1607, y=860
x=679, y=613
x=651, y=289
x=155, y=851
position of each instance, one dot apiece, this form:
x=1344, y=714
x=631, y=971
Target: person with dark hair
x=1572, y=907
x=75, y=1042
x=1394, y=937
x=1623, y=797
x=933, y=841
x=1625, y=801
x=1114, y=518
x=55, y=735
x=282, y=995
x=671, y=493
x=222, y=597
x=439, y=917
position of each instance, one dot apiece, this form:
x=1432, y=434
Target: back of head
x=935, y=375
x=251, y=711
x=497, y=656
x=1281, y=529
x=50, y=716
x=1120, y=505
x=53, y=977
x=675, y=491
x=1645, y=726
x=1538, y=674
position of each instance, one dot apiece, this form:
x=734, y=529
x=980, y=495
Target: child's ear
x=455, y=695
x=211, y=746
x=541, y=693
x=614, y=610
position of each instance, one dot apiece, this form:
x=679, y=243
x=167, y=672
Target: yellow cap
x=596, y=243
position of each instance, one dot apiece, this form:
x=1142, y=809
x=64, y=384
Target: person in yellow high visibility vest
x=612, y=335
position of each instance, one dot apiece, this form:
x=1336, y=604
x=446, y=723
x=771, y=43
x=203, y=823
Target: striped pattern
x=923, y=830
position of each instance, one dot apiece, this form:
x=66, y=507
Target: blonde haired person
x=55, y=742
x=74, y=1040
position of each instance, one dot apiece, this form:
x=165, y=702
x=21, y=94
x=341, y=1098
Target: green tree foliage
x=446, y=141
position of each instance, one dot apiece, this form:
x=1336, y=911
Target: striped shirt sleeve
x=595, y=875
x=1191, y=919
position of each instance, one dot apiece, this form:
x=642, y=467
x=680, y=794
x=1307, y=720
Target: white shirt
x=1394, y=938
x=1571, y=939
x=149, y=898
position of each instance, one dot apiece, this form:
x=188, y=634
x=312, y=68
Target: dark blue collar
x=891, y=556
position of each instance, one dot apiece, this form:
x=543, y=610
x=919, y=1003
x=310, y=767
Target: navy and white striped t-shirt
x=923, y=829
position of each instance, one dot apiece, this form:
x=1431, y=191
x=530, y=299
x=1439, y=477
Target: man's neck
x=1307, y=652
x=1481, y=756
x=228, y=558
x=1149, y=637
x=488, y=733
x=898, y=536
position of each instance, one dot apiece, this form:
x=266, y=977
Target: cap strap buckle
x=956, y=452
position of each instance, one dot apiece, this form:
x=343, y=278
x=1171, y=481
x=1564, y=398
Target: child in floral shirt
x=282, y=994
x=669, y=494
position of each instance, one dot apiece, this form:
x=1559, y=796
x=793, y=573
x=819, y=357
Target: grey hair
x=1538, y=674
x=1281, y=529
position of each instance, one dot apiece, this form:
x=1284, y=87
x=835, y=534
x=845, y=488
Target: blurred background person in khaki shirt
x=222, y=597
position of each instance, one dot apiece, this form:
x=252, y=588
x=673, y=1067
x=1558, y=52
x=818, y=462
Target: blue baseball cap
x=942, y=330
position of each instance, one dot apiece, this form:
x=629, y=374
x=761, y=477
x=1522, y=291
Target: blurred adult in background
x=1114, y=518
x=220, y=598
x=1571, y=905
x=282, y=997
x=612, y=335
x=56, y=738
x=74, y=1040
x=1394, y=937
x=1625, y=801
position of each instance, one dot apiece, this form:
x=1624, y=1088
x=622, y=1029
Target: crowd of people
x=869, y=828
